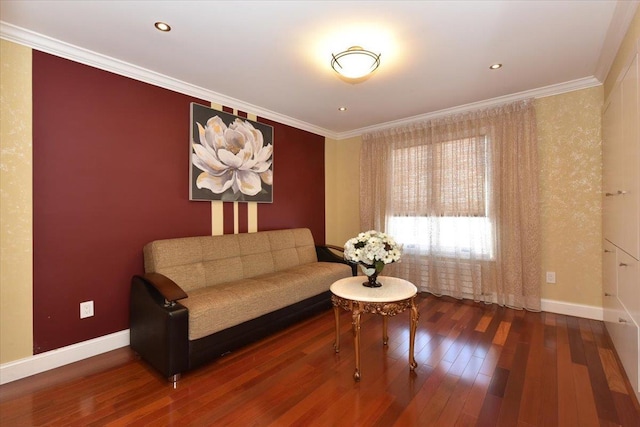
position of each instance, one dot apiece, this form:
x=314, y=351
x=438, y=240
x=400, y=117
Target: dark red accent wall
x=110, y=160
x=298, y=182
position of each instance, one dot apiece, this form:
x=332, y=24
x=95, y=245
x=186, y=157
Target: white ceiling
x=271, y=58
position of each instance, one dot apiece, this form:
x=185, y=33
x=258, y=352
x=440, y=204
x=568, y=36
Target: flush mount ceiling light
x=495, y=66
x=355, y=62
x=162, y=26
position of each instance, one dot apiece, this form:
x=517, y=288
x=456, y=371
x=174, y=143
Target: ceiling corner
x=622, y=17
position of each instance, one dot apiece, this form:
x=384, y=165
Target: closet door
x=629, y=238
x=621, y=303
x=609, y=282
x=612, y=171
x=629, y=284
x=621, y=219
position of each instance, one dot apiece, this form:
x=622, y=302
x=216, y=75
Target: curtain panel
x=460, y=193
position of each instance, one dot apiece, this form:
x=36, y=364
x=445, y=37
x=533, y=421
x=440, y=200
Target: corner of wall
x=627, y=47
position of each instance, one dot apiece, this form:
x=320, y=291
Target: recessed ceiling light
x=162, y=26
x=495, y=66
x=342, y=108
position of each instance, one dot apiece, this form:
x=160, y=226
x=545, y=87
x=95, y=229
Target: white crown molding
x=620, y=22
x=542, y=92
x=42, y=362
x=83, y=56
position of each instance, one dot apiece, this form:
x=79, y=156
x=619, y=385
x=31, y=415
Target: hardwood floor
x=479, y=365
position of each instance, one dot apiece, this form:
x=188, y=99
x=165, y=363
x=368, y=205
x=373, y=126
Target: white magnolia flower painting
x=231, y=157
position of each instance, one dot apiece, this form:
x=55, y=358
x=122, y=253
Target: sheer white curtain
x=461, y=194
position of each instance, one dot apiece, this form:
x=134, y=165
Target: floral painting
x=231, y=158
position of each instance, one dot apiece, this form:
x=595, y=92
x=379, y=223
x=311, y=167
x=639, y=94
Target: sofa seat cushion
x=214, y=308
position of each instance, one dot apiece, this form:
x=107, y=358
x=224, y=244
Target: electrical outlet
x=86, y=309
x=551, y=277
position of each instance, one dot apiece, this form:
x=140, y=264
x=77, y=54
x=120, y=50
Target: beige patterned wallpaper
x=342, y=189
x=16, y=276
x=570, y=151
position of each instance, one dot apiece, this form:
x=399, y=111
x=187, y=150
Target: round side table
x=393, y=297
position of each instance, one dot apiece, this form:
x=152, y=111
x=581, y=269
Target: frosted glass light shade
x=355, y=62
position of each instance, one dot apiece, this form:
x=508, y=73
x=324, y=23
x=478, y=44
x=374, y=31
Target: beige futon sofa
x=202, y=297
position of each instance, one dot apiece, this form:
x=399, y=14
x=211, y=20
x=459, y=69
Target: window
x=440, y=198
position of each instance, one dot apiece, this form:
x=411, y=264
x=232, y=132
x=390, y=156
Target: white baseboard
x=32, y=365
x=571, y=309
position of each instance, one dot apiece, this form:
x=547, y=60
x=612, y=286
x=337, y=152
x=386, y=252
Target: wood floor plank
x=501, y=334
x=510, y=343
x=627, y=410
x=548, y=415
x=532, y=391
x=409, y=417
x=478, y=365
x=510, y=409
x=436, y=404
x=476, y=396
x=575, y=340
x=491, y=357
x=439, y=352
x=460, y=311
x=587, y=412
x=550, y=337
x=550, y=319
x=586, y=333
x=599, y=385
x=483, y=324
x=600, y=335
x=490, y=411
x=466, y=420
x=567, y=401
x=615, y=378
x=459, y=395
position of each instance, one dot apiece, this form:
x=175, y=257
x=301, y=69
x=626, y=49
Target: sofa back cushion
x=196, y=262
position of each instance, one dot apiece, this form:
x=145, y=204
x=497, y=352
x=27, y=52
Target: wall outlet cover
x=86, y=309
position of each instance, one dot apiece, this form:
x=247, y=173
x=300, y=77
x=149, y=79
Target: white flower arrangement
x=372, y=249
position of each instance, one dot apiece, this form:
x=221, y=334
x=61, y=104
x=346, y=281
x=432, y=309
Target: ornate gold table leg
x=385, y=336
x=336, y=313
x=355, y=314
x=412, y=334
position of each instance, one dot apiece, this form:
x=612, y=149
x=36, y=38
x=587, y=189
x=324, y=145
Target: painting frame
x=230, y=157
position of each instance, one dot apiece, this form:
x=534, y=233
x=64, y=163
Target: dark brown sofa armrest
x=169, y=290
x=325, y=255
x=159, y=328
